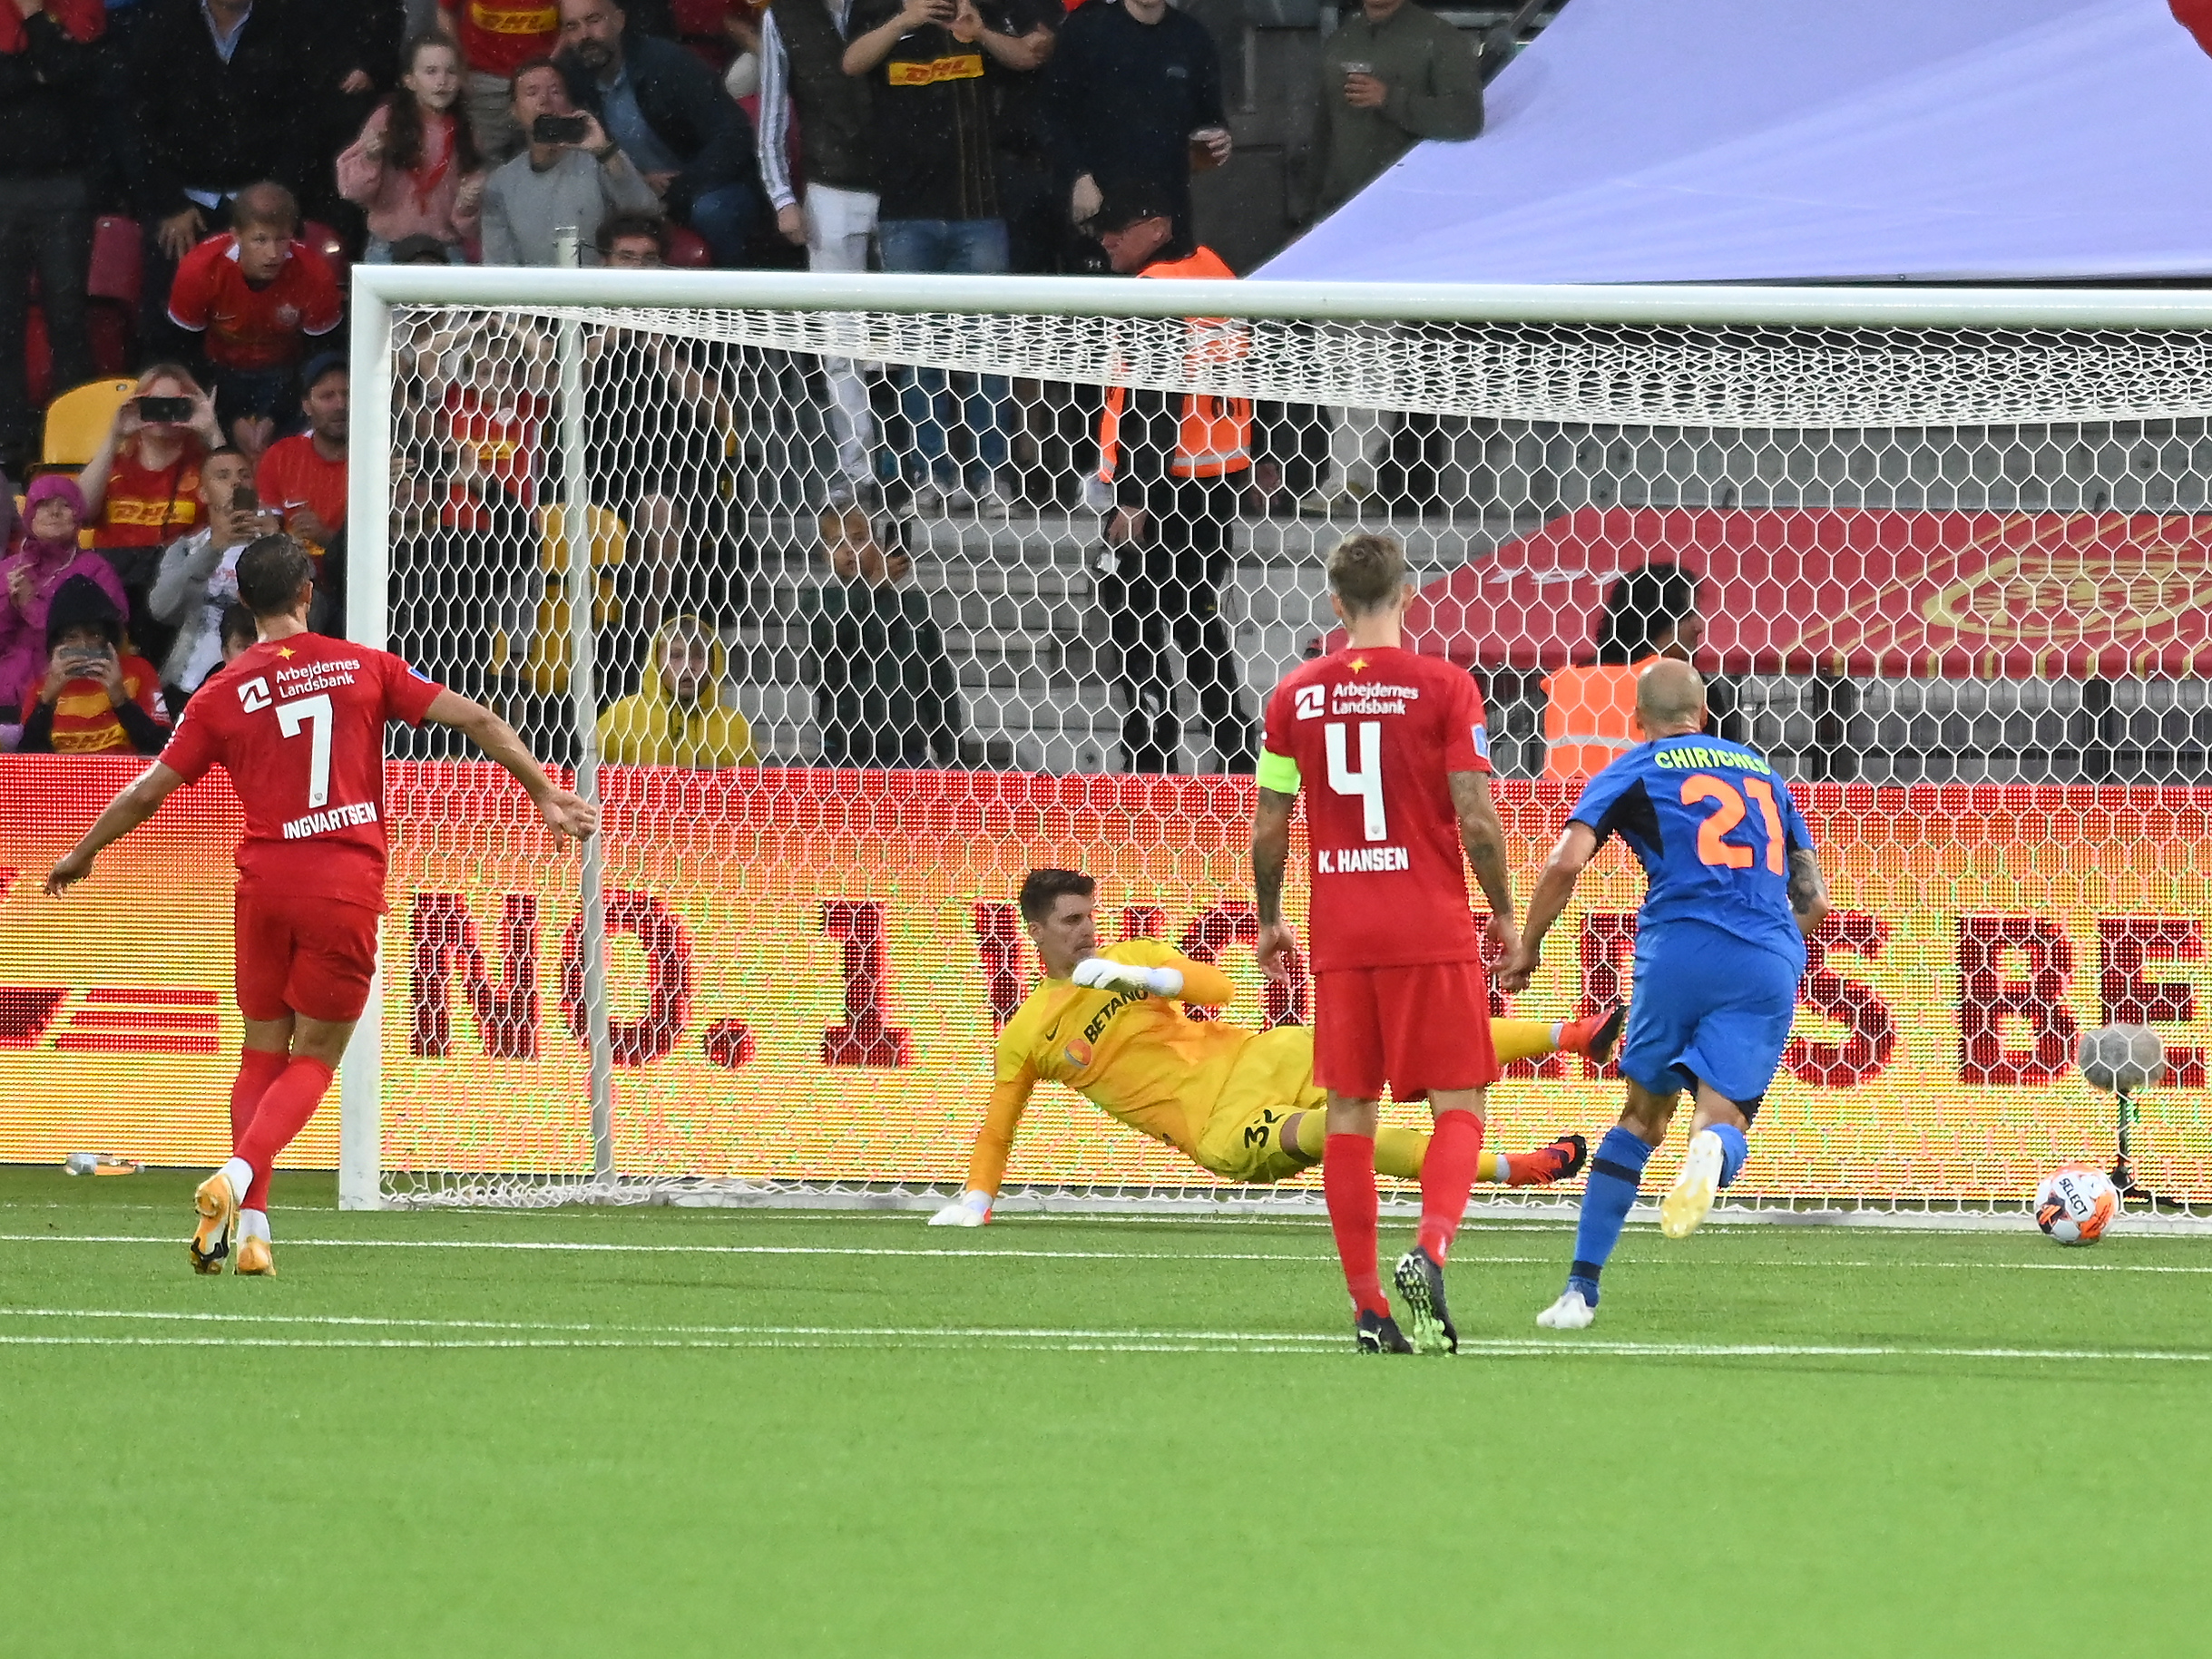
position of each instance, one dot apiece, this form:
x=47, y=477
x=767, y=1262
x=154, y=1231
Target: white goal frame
x=377, y=289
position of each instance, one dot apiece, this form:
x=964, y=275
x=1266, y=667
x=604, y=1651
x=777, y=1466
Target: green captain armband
x=1278, y=772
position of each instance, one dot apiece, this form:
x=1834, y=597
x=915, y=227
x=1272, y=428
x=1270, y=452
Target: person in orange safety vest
x=1173, y=471
x=1590, y=712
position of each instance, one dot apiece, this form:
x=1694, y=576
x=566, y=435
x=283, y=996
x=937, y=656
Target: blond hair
x=1367, y=572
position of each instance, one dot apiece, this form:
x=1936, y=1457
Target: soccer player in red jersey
x=298, y=721
x=1399, y=763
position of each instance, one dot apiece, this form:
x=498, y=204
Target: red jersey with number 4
x=1371, y=737
x=298, y=724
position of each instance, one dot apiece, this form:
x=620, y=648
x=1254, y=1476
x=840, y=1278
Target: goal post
x=808, y=577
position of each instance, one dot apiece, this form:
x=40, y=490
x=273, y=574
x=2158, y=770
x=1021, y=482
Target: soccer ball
x=2076, y=1204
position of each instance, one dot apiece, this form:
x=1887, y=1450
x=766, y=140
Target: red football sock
x=1348, y=1182
x=285, y=1107
x=257, y=1070
x=1446, y=1174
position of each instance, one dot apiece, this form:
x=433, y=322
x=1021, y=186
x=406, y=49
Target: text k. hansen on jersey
x=1359, y=860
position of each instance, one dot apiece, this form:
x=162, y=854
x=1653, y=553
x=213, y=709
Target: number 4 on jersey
x=1367, y=781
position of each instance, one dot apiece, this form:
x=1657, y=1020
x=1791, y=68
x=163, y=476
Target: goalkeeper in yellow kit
x=1240, y=1103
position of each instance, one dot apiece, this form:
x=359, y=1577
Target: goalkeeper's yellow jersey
x=1136, y=1056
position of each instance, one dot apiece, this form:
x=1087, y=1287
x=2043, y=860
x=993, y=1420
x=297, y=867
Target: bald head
x=1670, y=699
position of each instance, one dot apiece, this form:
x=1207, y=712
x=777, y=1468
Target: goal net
x=835, y=592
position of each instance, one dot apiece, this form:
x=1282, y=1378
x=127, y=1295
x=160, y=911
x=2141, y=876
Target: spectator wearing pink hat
x=47, y=557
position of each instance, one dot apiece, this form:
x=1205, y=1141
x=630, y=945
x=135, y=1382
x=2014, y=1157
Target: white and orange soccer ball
x=2075, y=1205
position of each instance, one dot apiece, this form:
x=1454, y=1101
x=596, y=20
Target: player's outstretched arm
x=1271, y=858
x=564, y=814
x=135, y=803
x=1808, y=890
x=1554, y=887
x=1010, y=1095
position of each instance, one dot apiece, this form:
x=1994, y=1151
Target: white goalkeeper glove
x=971, y=1209
x=1096, y=972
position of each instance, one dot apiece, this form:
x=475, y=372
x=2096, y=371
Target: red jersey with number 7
x=1371, y=737
x=298, y=724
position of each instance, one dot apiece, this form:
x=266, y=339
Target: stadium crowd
x=183, y=184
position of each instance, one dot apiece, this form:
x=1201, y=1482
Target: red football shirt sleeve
x=192, y=297
x=320, y=308
x=408, y=692
x=1466, y=738
x=193, y=745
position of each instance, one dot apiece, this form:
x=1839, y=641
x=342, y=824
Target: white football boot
x=1569, y=1312
x=1691, y=1196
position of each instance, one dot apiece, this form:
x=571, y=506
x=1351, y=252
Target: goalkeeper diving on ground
x=1238, y=1102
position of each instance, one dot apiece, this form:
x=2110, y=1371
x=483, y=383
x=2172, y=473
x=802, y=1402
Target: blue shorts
x=1708, y=1007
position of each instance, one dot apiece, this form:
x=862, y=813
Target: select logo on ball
x=2076, y=1204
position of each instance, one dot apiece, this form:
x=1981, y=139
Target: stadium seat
x=118, y=271
x=78, y=420
x=687, y=249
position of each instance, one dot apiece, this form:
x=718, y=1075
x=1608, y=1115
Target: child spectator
x=676, y=717
x=240, y=633
x=257, y=293
x=415, y=170
x=303, y=478
x=47, y=557
x=200, y=575
x=92, y=697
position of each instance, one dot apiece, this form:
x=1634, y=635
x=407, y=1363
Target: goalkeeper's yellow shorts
x=1272, y=1078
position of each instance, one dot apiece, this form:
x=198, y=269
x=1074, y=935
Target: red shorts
x=304, y=954
x=1415, y=1028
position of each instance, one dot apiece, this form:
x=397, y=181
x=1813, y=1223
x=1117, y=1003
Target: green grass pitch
x=676, y=1432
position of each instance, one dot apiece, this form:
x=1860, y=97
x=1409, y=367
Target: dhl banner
x=807, y=969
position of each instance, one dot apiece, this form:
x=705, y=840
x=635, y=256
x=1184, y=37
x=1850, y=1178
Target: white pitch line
x=580, y=1247
x=585, y=1327
x=1470, y=1258
x=812, y=1337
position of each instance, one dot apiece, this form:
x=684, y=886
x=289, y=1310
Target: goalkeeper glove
x=1097, y=972
x=971, y=1209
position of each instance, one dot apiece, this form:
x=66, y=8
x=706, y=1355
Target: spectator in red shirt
x=257, y=294
x=415, y=170
x=47, y=557
x=498, y=37
x=92, y=697
x=303, y=478
x=142, y=486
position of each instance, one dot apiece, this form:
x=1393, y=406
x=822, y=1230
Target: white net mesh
x=866, y=644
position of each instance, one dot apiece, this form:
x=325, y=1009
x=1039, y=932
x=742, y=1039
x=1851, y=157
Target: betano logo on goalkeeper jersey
x=962, y=66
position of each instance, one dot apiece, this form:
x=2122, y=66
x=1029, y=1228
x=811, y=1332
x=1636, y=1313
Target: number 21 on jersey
x=1729, y=810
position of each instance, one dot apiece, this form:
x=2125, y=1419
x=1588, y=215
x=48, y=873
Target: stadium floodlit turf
x=664, y=1431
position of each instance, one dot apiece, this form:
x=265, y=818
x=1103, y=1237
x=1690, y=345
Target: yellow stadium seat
x=77, y=422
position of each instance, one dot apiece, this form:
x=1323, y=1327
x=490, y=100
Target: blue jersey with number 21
x=1713, y=825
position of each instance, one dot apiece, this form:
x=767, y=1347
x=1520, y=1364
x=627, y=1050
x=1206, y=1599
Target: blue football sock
x=1734, y=1150
x=1607, y=1195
